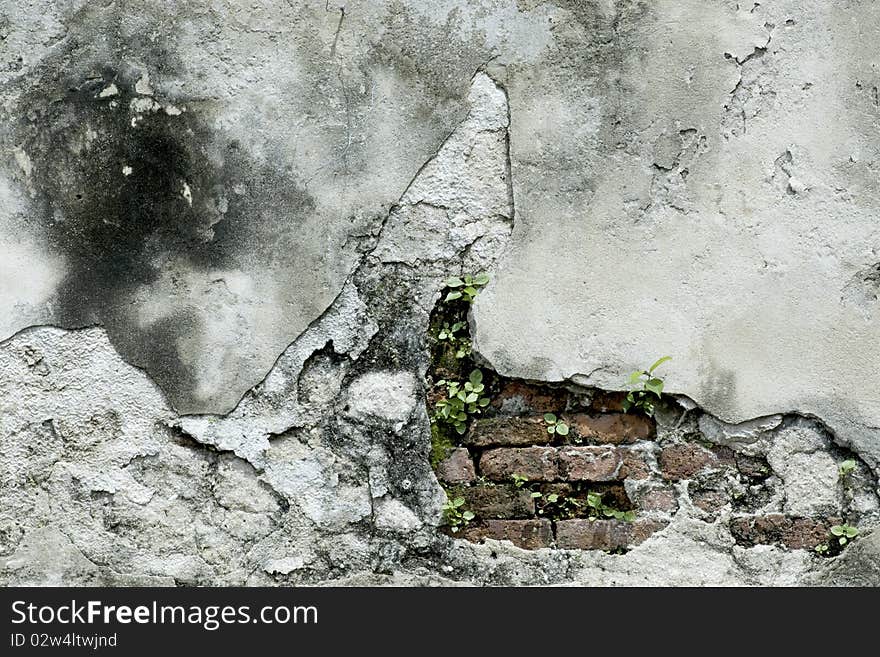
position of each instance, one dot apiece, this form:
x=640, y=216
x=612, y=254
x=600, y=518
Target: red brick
x=685, y=460
x=593, y=534
x=535, y=463
x=613, y=428
x=710, y=501
x=644, y=528
x=527, y=534
x=659, y=499
x=457, y=468
x=634, y=464
x=517, y=397
x=807, y=533
x=512, y=431
x=608, y=402
x=604, y=534
x=590, y=464
x=499, y=502
x=776, y=528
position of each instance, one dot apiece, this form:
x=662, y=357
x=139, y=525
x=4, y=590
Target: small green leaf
x=562, y=429
x=659, y=362
x=457, y=502
x=635, y=376
x=484, y=401
x=471, y=398
x=470, y=291
x=476, y=377
x=851, y=532
x=552, y=498
x=462, y=395
x=536, y=494
x=626, y=405
x=460, y=429
x=481, y=278
x=842, y=540
x=478, y=388
x=838, y=530
x=549, y=418
x=551, y=429
x=454, y=281
x=655, y=386
x=468, y=515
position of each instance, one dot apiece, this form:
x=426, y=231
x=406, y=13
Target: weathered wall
x=224, y=226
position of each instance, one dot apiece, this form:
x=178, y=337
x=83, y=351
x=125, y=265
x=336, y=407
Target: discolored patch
x=148, y=206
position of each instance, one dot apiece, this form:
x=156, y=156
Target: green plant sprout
x=555, y=425
x=519, y=480
x=846, y=468
x=650, y=384
x=466, y=287
x=455, y=516
x=594, y=501
x=461, y=401
x=556, y=506
x=844, y=533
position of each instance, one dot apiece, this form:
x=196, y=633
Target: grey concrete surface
x=224, y=224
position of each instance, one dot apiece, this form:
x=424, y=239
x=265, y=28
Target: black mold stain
x=126, y=182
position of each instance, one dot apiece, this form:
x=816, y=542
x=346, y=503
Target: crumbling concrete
x=238, y=398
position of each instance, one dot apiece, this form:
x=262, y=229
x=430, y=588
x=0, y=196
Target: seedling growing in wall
x=846, y=468
x=456, y=336
x=519, y=480
x=599, y=508
x=461, y=401
x=466, y=287
x=844, y=533
x=649, y=386
x=455, y=515
x=555, y=425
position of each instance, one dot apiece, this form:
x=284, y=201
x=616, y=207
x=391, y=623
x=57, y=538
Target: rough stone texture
x=858, y=566
x=243, y=212
x=711, y=196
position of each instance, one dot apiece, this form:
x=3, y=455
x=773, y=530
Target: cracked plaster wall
x=240, y=401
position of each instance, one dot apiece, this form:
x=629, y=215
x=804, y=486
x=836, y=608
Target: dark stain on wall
x=126, y=182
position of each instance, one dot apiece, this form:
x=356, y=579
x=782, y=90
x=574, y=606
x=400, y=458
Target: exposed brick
x=634, y=464
x=807, y=533
x=590, y=463
x=658, y=499
x=644, y=528
x=613, y=428
x=527, y=534
x=499, y=502
x=593, y=534
x=608, y=402
x=457, y=468
x=518, y=398
x=778, y=528
x=511, y=431
x=535, y=463
x=753, y=466
x=710, y=501
x=685, y=460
